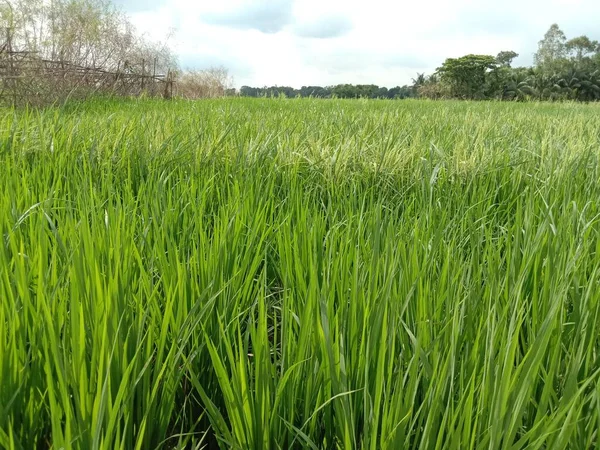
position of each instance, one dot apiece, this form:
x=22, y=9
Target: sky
x=325, y=42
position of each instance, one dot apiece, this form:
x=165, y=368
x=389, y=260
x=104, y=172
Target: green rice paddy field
x=274, y=274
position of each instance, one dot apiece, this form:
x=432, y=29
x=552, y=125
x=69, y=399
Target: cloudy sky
x=324, y=42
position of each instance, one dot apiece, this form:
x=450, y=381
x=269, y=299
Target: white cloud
x=268, y=16
x=321, y=42
x=324, y=27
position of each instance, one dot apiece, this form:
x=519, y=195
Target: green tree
x=467, y=75
x=552, y=49
x=570, y=83
x=505, y=58
x=419, y=81
x=581, y=47
x=590, y=86
x=401, y=92
x=545, y=85
x=517, y=86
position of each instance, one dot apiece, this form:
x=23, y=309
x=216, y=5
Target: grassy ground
x=300, y=274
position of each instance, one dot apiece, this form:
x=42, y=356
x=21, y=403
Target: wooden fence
x=25, y=78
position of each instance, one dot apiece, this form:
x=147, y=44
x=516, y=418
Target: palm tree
x=419, y=81
x=570, y=84
x=589, y=89
x=545, y=85
x=518, y=87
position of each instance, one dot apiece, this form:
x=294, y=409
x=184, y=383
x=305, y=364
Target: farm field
x=274, y=274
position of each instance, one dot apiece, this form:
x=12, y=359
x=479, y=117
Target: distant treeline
x=339, y=91
x=564, y=69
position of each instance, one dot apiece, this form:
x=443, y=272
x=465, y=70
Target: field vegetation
x=272, y=273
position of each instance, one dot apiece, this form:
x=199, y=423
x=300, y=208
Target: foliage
x=466, y=76
x=89, y=33
x=209, y=83
x=581, y=47
x=434, y=89
x=338, y=91
x=552, y=50
x=564, y=70
x=268, y=273
x=505, y=58
x=52, y=51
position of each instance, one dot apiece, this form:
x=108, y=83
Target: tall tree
x=552, y=49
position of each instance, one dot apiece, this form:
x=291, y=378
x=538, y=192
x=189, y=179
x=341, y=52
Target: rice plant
x=280, y=274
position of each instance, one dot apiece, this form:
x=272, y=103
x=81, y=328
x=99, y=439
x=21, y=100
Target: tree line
x=563, y=69
x=339, y=91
